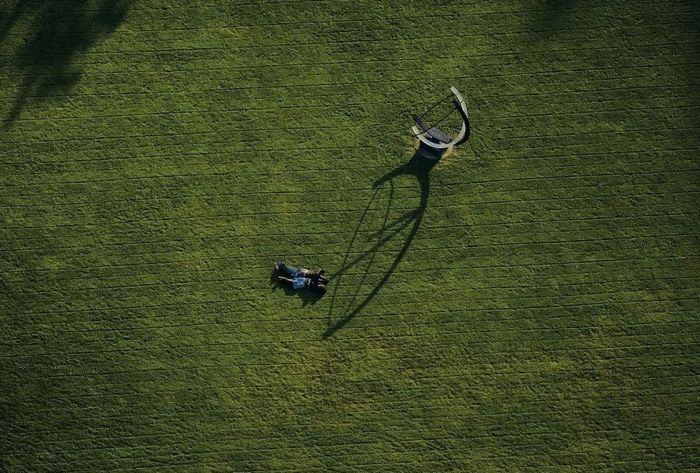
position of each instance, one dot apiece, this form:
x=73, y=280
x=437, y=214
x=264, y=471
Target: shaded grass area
x=53, y=36
x=528, y=304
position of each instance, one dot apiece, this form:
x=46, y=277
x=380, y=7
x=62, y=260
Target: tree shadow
x=307, y=297
x=57, y=33
x=419, y=167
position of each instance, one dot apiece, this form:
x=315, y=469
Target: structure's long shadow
x=56, y=35
x=419, y=167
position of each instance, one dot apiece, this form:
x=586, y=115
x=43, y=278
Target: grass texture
x=528, y=304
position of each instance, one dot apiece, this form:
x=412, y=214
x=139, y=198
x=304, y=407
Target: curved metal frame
x=463, y=135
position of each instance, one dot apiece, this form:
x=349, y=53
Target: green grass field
x=529, y=304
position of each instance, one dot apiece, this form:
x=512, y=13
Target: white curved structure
x=435, y=139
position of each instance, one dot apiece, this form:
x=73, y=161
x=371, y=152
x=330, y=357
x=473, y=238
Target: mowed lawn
x=529, y=304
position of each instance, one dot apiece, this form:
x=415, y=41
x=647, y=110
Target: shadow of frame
x=419, y=166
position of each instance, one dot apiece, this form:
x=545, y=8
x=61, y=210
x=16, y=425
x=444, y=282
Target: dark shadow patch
x=418, y=167
x=59, y=33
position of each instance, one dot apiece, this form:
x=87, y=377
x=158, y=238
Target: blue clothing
x=299, y=283
x=290, y=271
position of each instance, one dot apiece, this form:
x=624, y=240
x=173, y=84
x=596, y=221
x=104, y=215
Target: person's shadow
x=419, y=166
x=307, y=297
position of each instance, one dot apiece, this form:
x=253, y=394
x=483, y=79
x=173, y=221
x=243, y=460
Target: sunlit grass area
x=528, y=304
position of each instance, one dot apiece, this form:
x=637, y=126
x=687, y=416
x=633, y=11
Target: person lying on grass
x=301, y=278
x=303, y=283
x=317, y=277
